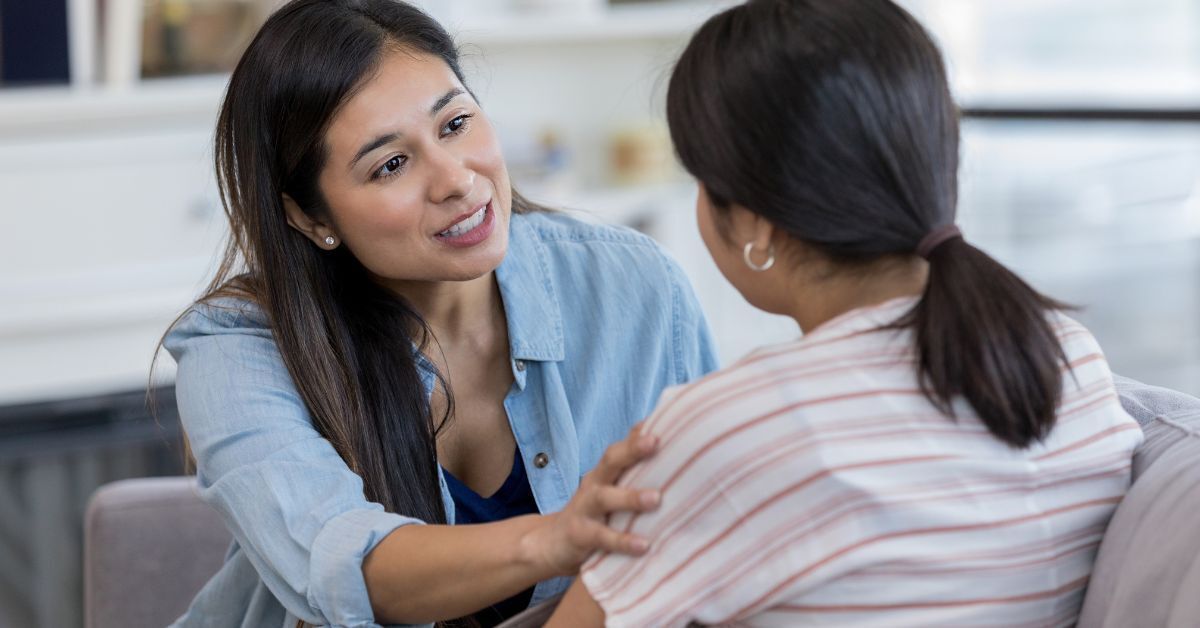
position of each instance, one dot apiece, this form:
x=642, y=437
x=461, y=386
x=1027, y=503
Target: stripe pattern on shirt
x=813, y=483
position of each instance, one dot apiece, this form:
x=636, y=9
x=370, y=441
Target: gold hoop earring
x=758, y=268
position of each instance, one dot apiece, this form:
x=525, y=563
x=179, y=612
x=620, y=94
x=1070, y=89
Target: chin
x=476, y=268
x=466, y=275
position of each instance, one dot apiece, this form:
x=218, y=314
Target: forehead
x=398, y=95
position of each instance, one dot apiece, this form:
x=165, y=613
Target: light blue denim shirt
x=600, y=321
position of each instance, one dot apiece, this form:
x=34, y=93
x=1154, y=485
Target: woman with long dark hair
x=943, y=446
x=396, y=341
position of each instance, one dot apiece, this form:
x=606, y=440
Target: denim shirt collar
x=535, y=326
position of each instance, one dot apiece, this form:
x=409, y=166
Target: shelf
x=651, y=21
x=41, y=110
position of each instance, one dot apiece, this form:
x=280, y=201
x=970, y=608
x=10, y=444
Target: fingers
x=608, y=499
x=624, y=454
x=597, y=496
x=601, y=537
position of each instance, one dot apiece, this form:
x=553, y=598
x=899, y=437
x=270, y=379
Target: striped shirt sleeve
x=726, y=540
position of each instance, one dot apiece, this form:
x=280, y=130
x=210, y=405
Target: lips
x=470, y=229
x=465, y=224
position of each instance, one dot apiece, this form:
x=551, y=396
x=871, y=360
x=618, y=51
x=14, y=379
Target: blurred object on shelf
x=641, y=153
x=540, y=161
x=34, y=47
x=83, y=33
x=181, y=37
x=122, y=42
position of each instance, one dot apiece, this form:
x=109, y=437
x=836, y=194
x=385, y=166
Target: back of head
x=833, y=119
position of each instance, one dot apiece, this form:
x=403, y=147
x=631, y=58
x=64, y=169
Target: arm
x=422, y=574
x=577, y=609
x=299, y=514
x=429, y=573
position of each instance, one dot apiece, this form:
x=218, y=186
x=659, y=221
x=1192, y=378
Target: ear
x=312, y=229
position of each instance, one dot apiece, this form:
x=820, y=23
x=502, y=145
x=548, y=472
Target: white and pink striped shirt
x=813, y=483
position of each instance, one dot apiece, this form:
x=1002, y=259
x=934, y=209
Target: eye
x=457, y=125
x=391, y=167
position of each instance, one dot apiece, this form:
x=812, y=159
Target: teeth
x=466, y=225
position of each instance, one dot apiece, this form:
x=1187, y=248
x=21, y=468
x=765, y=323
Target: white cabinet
x=112, y=223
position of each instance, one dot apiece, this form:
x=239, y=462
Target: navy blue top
x=512, y=499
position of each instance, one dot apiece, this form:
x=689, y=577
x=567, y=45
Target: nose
x=450, y=177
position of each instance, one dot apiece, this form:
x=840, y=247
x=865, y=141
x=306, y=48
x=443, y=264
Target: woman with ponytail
x=398, y=344
x=943, y=446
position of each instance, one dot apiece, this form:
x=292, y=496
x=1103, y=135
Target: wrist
x=534, y=546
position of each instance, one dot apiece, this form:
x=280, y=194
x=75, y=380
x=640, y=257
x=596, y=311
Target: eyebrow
x=445, y=100
x=384, y=140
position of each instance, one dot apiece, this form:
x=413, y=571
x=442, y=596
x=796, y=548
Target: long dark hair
x=833, y=120
x=347, y=342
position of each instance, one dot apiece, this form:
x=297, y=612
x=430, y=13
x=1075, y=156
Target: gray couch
x=151, y=544
x=1148, y=569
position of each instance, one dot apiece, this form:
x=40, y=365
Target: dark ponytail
x=834, y=121
x=982, y=333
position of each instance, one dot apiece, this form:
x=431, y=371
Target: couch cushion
x=1147, y=572
x=150, y=544
x=1145, y=402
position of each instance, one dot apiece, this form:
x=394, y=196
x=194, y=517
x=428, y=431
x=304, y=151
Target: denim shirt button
x=541, y=460
x=519, y=364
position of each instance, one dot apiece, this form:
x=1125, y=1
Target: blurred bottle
x=540, y=164
x=640, y=153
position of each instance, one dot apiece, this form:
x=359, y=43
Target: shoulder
x=601, y=271
x=558, y=227
x=226, y=360
x=1080, y=348
x=598, y=268
x=1066, y=327
x=716, y=418
x=571, y=243
x=225, y=319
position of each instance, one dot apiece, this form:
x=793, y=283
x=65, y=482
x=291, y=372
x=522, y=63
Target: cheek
x=381, y=226
x=484, y=150
x=380, y=212
x=493, y=167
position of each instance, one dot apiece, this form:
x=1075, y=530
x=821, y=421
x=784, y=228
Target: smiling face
x=414, y=179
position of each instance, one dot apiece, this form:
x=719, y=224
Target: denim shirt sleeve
x=293, y=505
x=695, y=351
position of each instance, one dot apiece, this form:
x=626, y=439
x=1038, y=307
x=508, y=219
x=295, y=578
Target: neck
x=828, y=295
x=456, y=310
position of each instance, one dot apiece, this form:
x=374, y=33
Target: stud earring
x=330, y=240
x=758, y=268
